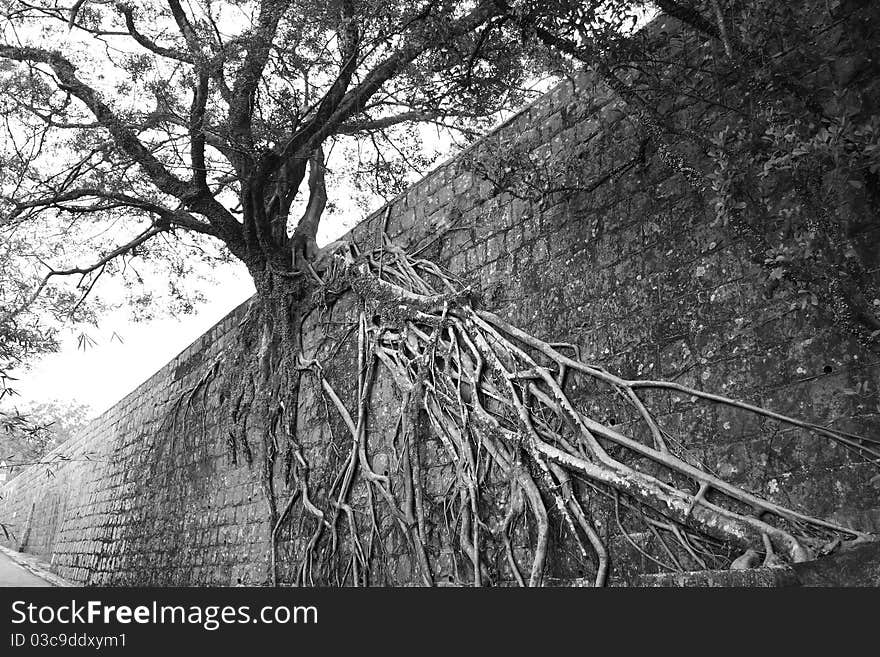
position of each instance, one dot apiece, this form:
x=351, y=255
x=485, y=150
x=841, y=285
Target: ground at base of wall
x=36, y=567
x=857, y=566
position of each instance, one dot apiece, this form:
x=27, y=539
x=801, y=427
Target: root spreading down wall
x=626, y=262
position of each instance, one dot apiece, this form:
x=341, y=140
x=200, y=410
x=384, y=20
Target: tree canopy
x=134, y=131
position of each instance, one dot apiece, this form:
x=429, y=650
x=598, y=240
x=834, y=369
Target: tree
x=236, y=109
x=242, y=121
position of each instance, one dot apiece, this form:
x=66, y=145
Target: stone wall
x=132, y=502
x=625, y=262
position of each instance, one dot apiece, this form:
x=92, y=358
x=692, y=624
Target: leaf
x=777, y=273
x=84, y=342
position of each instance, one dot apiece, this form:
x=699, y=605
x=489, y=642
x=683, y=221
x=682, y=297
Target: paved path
x=11, y=574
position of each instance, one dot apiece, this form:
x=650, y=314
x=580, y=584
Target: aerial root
x=499, y=401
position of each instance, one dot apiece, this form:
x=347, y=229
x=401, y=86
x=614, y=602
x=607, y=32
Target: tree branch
x=689, y=16
x=194, y=198
x=197, y=133
x=163, y=51
x=304, y=245
x=186, y=29
x=123, y=136
x=245, y=85
x=306, y=139
x=355, y=126
x=151, y=232
x=170, y=217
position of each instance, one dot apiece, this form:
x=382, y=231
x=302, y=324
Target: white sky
x=103, y=373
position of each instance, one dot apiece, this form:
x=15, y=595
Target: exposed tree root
x=492, y=392
x=504, y=407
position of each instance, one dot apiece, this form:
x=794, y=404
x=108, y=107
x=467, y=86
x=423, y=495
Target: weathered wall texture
x=633, y=271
